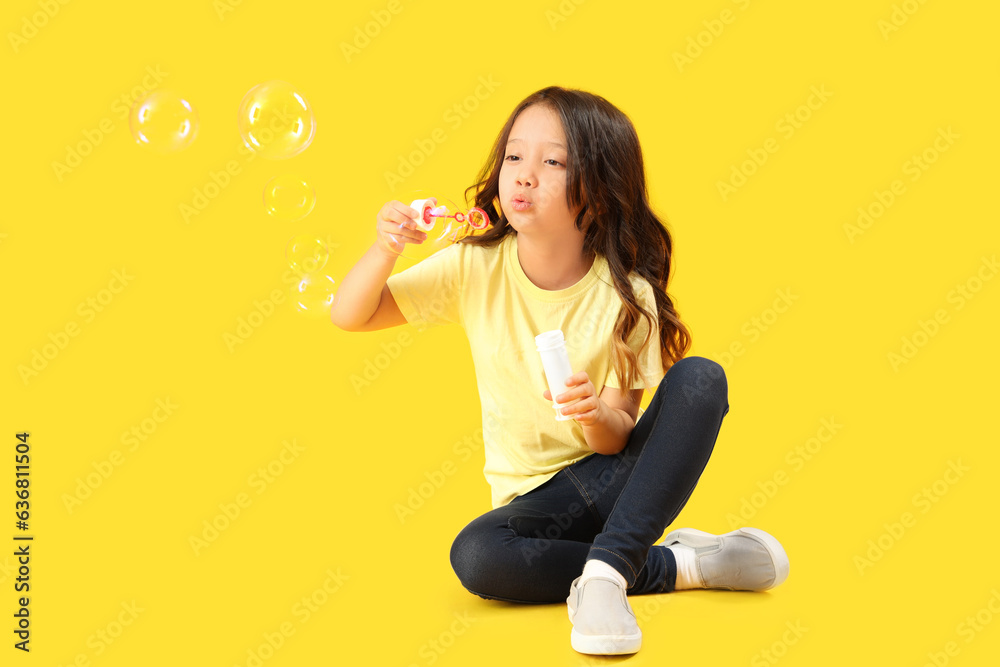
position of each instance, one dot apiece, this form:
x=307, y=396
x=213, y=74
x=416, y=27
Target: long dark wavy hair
x=605, y=174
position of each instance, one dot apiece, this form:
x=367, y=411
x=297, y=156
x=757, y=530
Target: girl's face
x=533, y=175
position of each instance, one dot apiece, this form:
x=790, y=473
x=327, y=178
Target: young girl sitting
x=577, y=504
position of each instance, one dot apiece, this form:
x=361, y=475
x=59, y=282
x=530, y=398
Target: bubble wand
x=429, y=210
x=459, y=223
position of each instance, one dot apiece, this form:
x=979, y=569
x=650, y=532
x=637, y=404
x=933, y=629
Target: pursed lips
x=520, y=202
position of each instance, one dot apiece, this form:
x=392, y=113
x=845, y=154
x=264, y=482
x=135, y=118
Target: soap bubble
x=306, y=253
x=276, y=121
x=313, y=295
x=288, y=198
x=163, y=121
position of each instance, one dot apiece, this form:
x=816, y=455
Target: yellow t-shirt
x=486, y=291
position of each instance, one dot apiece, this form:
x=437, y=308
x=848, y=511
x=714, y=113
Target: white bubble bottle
x=555, y=360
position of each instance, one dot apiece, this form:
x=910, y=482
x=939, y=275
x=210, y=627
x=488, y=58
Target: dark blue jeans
x=608, y=507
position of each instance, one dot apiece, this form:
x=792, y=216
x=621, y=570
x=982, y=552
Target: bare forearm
x=610, y=434
x=359, y=293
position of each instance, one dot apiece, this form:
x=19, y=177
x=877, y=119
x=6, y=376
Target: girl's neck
x=553, y=266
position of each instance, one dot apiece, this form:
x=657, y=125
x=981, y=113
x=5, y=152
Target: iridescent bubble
x=288, y=198
x=163, y=121
x=313, y=295
x=276, y=121
x=306, y=253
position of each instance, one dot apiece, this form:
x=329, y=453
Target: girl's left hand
x=589, y=409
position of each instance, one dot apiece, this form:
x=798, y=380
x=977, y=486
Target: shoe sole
x=692, y=537
x=605, y=644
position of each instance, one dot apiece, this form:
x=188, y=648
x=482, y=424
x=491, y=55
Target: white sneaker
x=747, y=559
x=603, y=621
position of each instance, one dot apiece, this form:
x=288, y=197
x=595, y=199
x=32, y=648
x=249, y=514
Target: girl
x=577, y=504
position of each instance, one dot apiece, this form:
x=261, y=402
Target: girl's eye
x=516, y=157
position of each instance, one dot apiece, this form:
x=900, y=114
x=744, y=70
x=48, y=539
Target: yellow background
x=364, y=448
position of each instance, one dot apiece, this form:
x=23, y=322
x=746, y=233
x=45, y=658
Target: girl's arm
x=360, y=294
x=363, y=302
x=607, y=419
x=608, y=433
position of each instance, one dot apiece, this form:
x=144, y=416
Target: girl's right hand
x=395, y=226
